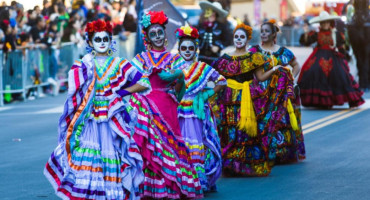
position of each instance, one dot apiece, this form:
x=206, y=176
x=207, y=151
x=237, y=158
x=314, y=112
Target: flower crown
x=154, y=17
x=187, y=32
x=98, y=26
x=149, y=18
x=246, y=28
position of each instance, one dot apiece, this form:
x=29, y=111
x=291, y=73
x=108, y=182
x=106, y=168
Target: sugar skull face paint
x=101, y=42
x=240, y=39
x=266, y=33
x=187, y=49
x=156, y=35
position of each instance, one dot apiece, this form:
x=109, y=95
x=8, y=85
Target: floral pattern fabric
x=271, y=106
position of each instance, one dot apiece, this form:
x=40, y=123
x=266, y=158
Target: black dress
x=325, y=80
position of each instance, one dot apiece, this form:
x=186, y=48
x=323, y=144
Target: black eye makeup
x=241, y=36
x=99, y=39
x=154, y=34
x=184, y=48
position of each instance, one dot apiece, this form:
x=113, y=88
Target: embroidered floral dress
x=167, y=162
x=325, y=79
x=200, y=131
x=243, y=154
x=97, y=157
x=273, y=99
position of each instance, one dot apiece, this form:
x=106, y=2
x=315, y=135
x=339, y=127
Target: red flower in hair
x=194, y=33
x=98, y=26
x=109, y=27
x=89, y=27
x=158, y=17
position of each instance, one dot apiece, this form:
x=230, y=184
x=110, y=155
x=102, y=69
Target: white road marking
x=324, y=119
x=317, y=124
x=333, y=121
x=5, y=108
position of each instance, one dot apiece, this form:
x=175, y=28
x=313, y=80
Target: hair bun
x=272, y=21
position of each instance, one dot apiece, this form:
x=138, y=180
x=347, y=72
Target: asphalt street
x=337, y=165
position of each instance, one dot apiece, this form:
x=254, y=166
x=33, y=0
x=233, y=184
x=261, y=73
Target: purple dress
x=200, y=133
x=97, y=157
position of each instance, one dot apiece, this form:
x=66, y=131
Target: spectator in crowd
x=31, y=18
x=47, y=9
x=63, y=17
x=37, y=31
x=37, y=10
x=9, y=37
x=246, y=20
x=129, y=23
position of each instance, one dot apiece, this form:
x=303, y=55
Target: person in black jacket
x=213, y=33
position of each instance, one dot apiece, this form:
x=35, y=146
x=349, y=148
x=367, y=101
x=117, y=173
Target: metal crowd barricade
x=125, y=48
x=289, y=36
x=21, y=71
x=13, y=75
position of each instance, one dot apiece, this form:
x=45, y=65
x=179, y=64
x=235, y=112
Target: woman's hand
x=276, y=67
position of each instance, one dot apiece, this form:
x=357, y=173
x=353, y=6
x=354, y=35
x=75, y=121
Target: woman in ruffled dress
x=276, y=102
x=245, y=151
x=325, y=79
x=197, y=122
x=97, y=157
x=167, y=163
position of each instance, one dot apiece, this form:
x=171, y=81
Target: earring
x=149, y=47
x=93, y=53
x=110, y=52
x=166, y=42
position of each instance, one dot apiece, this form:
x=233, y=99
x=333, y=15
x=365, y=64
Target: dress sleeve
x=311, y=38
x=288, y=54
x=176, y=62
x=218, y=78
x=139, y=63
x=79, y=79
x=341, y=45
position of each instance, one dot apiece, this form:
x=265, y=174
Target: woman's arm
x=296, y=67
x=136, y=88
x=218, y=88
x=262, y=76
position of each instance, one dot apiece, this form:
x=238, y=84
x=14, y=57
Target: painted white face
x=187, y=49
x=156, y=35
x=101, y=42
x=240, y=39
